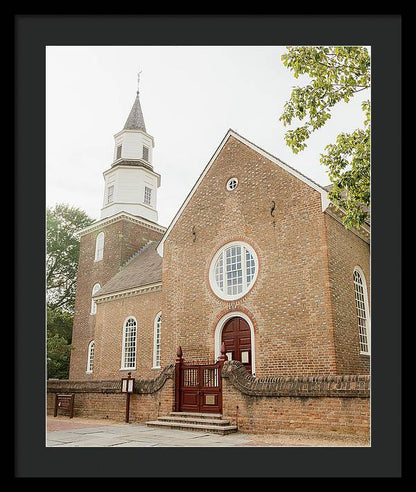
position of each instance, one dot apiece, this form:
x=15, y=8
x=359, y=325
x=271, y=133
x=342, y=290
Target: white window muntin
x=362, y=310
x=233, y=270
x=232, y=184
x=157, y=338
x=90, y=359
x=99, y=247
x=95, y=289
x=145, y=153
x=128, y=356
x=147, y=195
x=110, y=194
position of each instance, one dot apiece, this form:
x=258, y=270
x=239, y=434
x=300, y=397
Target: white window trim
x=95, y=289
x=111, y=185
x=367, y=309
x=229, y=183
x=119, y=146
x=148, y=196
x=155, y=327
x=97, y=249
x=212, y=279
x=123, y=347
x=90, y=345
x=148, y=153
x=218, y=335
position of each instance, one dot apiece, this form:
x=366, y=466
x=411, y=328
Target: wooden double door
x=236, y=336
x=200, y=388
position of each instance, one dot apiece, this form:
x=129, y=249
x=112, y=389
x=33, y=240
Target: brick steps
x=202, y=422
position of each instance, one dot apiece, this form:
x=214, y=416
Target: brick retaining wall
x=319, y=404
x=103, y=399
x=338, y=404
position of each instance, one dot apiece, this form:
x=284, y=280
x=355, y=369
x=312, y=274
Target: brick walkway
x=81, y=432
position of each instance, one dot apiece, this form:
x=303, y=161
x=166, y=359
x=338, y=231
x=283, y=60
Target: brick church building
x=256, y=266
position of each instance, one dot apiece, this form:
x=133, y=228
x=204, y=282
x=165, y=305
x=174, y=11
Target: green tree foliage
x=59, y=337
x=336, y=74
x=58, y=354
x=62, y=249
x=59, y=322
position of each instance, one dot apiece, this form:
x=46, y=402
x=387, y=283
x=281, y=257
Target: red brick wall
x=289, y=304
x=123, y=238
x=345, y=252
x=113, y=405
x=348, y=413
x=264, y=415
x=110, y=319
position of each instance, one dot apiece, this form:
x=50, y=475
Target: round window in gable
x=232, y=184
x=233, y=270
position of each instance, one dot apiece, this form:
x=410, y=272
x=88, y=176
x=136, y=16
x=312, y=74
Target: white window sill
x=156, y=367
x=365, y=353
x=127, y=368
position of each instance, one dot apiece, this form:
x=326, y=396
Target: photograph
x=208, y=246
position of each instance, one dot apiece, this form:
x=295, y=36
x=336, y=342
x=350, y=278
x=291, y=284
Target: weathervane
x=138, y=81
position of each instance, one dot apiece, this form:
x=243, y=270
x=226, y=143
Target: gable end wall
x=289, y=304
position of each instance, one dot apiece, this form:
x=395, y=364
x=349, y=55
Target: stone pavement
x=79, y=432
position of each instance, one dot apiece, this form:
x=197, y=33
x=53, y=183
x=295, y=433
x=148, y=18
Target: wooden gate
x=198, y=387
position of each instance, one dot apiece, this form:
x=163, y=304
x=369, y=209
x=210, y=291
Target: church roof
x=144, y=268
x=135, y=121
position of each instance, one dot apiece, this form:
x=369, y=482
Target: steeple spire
x=135, y=121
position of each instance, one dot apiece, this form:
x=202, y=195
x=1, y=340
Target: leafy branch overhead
x=336, y=74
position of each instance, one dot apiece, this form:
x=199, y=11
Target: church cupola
x=130, y=183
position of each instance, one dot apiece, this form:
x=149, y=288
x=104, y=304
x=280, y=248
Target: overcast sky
x=190, y=97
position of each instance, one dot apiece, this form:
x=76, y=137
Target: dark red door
x=200, y=388
x=236, y=335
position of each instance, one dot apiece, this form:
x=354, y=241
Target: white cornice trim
x=337, y=213
x=270, y=157
x=120, y=216
x=116, y=166
x=144, y=289
x=136, y=131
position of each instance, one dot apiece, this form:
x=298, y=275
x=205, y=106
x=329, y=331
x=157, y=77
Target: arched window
x=233, y=270
x=128, y=359
x=95, y=289
x=99, y=246
x=157, y=340
x=361, y=304
x=90, y=360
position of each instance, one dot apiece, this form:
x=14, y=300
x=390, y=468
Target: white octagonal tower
x=130, y=183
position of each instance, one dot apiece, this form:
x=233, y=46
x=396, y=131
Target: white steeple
x=130, y=183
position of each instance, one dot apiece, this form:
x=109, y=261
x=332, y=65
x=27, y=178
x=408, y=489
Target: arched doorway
x=236, y=335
